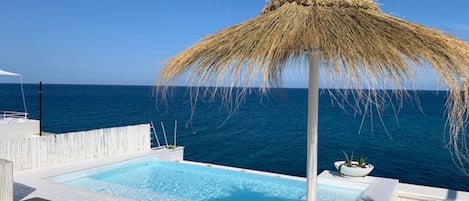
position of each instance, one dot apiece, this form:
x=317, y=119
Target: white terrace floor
x=31, y=184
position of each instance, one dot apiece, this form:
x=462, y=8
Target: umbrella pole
x=312, y=147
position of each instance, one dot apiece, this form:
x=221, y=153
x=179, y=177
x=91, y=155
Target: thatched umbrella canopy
x=352, y=39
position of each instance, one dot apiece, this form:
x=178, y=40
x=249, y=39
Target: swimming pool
x=149, y=179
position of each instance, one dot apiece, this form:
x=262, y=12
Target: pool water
x=151, y=179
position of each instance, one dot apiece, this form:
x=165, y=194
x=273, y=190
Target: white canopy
x=6, y=73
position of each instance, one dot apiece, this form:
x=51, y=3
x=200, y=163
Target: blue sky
x=126, y=42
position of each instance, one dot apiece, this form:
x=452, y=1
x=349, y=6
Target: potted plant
x=352, y=168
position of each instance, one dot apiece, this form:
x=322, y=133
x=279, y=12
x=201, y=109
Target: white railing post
x=175, y=131
x=155, y=134
x=164, y=134
x=6, y=180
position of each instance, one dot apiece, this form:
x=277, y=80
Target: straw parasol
x=352, y=39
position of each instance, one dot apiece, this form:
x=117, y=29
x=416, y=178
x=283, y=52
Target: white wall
x=17, y=128
x=6, y=180
x=46, y=151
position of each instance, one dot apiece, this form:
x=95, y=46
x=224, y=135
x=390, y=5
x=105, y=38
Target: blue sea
x=265, y=133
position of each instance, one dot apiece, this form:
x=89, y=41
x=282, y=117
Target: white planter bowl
x=353, y=171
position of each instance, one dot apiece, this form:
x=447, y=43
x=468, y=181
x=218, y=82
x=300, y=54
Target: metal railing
x=12, y=114
x=165, y=137
x=153, y=131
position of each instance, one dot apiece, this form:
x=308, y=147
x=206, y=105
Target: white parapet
x=171, y=154
x=50, y=150
x=18, y=128
x=6, y=180
x=379, y=189
x=412, y=192
x=385, y=189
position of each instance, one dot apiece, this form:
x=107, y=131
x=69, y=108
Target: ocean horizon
x=267, y=133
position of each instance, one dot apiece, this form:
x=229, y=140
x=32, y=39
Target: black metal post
x=40, y=108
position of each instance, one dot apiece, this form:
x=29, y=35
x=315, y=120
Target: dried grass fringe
x=362, y=45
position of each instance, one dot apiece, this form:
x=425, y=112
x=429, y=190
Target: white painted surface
x=411, y=192
x=18, y=128
x=47, y=151
x=381, y=188
x=312, y=139
x=6, y=180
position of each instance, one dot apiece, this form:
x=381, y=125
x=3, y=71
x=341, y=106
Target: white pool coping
x=34, y=183
x=322, y=180
x=379, y=189
x=418, y=192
